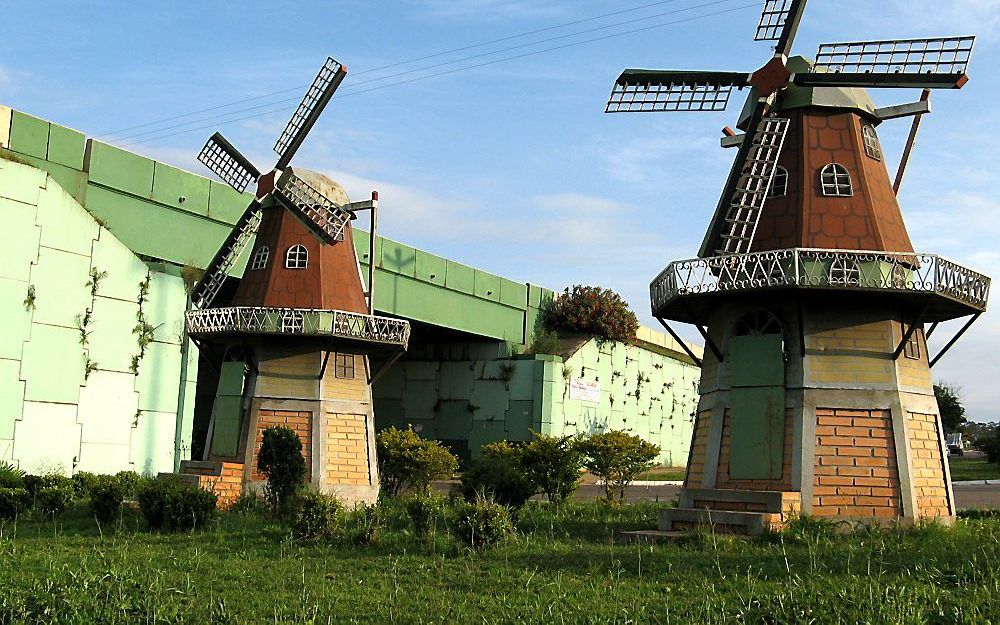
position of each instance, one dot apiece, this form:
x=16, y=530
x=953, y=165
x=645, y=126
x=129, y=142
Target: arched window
x=779, y=184
x=845, y=272
x=260, y=258
x=757, y=323
x=292, y=321
x=297, y=257
x=835, y=181
x=872, y=147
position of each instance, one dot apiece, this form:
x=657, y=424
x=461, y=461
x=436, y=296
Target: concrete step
x=740, y=500
x=202, y=467
x=722, y=521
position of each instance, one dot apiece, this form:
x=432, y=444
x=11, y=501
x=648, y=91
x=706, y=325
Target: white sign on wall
x=584, y=390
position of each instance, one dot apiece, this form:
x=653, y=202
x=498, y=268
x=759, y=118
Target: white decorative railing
x=828, y=269
x=299, y=321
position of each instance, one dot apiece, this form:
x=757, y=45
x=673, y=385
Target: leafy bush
x=316, y=515
x=13, y=501
x=280, y=459
x=405, y=460
x=54, y=494
x=483, y=522
x=545, y=342
x=363, y=524
x=83, y=482
x=990, y=445
x=592, y=310
x=106, y=496
x=169, y=503
x=553, y=464
x=129, y=482
x=617, y=458
x=499, y=475
x=11, y=476
x=423, y=511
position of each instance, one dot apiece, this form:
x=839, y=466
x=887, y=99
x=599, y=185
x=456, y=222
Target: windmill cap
x=796, y=97
x=325, y=185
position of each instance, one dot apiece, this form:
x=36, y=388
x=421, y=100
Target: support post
x=322, y=367
x=909, y=333
x=378, y=374
x=684, y=345
x=372, y=243
x=910, y=141
x=955, y=338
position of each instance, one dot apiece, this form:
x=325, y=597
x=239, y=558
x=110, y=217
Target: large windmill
x=299, y=340
x=816, y=391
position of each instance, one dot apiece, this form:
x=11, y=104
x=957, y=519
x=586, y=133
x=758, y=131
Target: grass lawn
x=966, y=468
x=673, y=474
x=559, y=568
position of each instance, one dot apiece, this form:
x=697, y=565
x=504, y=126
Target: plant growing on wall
x=96, y=276
x=89, y=368
x=144, y=331
x=29, y=300
x=592, y=310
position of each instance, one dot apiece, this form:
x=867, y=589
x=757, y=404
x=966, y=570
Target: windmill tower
x=299, y=342
x=816, y=389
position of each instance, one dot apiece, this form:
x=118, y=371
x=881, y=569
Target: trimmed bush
x=129, y=482
x=280, y=459
x=499, y=475
x=617, y=458
x=592, y=310
x=170, y=504
x=424, y=511
x=316, y=515
x=106, y=496
x=53, y=495
x=84, y=482
x=483, y=522
x=553, y=463
x=13, y=501
x=405, y=460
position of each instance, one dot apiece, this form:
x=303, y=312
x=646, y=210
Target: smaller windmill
x=301, y=304
x=816, y=392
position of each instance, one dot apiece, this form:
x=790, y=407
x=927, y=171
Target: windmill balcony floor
x=949, y=289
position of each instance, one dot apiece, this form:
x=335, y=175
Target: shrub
x=280, y=459
x=363, y=524
x=106, y=496
x=545, y=342
x=553, y=464
x=407, y=461
x=11, y=476
x=250, y=503
x=483, y=522
x=499, y=475
x=592, y=310
x=168, y=503
x=617, y=458
x=423, y=511
x=53, y=495
x=990, y=445
x=315, y=515
x=13, y=501
x=129, y=482
x=83, y=482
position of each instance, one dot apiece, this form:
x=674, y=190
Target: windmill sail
x=323, y=216
x=225, y=259
x=227, y=163
x=648, y=91
x=322, y=89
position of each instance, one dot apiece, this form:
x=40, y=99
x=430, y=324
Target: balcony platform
x=687, y=290
x=298, y=322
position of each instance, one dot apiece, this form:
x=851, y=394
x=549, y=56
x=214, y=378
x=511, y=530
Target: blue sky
x=511, y=166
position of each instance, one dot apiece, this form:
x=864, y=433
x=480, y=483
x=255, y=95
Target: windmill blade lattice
x=754, y=183
x=225, y=259
x=649, y=91
x=940, y=55
x=329, y=78
x=325, y=217
x=772, y=20
x=227, y=163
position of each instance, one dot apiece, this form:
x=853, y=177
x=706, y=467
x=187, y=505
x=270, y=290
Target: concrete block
x=165, y=308
x=17, y=318
x=7, y=450
x=461, y=277
x=5, y=115
x=112, y=343
x=29, y=135
x=397, y=258
x=66, y=146
x=119, y=169
x=159, y=378
x=61, y=292
x=107, y=408
x=53, y=365
x=125, y=271
x=104, y=458
x=180, y=189
x=225, y=204
x=513, y=294
x=419, y=399
x=18, y=239
x=152, y=446
x=21, y=183
x=421, y=370
x=456, y=380
x=47, y=438
x=489, y=400
x=487, y=286
x=11, y=397
x=431, y=268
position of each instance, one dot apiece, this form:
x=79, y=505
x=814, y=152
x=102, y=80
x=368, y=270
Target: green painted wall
x=70, y=362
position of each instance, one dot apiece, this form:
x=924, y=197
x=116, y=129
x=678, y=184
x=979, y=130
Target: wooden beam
x=910, y=142
x=684, y=345
x=955, y=338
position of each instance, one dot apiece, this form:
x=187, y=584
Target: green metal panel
x=461, y=277
x=487, y=286
x=53, y=365
x=431, y=268
x=397, y=258
x=514, y=294
x=225, y=204
x=61, y=292
x=65, y=224
x=756, y=433
x=11, y=396
x=29, y=135
x=66, y=147
x=756, y=360
x=171, y=184
x=227, y=412
x=119, y=169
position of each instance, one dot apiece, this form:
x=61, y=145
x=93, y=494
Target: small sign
x=584, y=390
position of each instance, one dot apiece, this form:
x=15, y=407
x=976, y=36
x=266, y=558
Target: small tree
x=617, y=458
x=500, y=475
x=407, y=461
x=280, y=459
x=592, y=310
x=950, y=406
x=553, y=463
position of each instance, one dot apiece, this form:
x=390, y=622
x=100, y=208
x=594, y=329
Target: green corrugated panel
x=65, y=224
x=124, y=270
x=431, y=268
x=487, y=286
x=29, y=135
x=171, y=184
x=66, y=146
x=20, y=183
x=461, y=277
x=119, y=169
x=513, y=294
x=225, y=203
x=152, y=448
x=21, y=247
x=11, y=396
x=61, y=292
x=112, y=343
x=159, y=376
x=16, y=318
x=396, y=257
x=53, y=365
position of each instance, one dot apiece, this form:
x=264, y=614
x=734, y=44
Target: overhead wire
x=446, y=72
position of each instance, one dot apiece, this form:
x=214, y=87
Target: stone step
x=187, y=478
x=740, y=500
x=202, y=467
x=722, y=521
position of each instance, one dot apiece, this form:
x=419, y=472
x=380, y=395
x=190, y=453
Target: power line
x=429, y=67
x=399, y=63
x=459, y=69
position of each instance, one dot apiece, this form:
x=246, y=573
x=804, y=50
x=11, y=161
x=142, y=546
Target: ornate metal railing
x=299, y=321
x=829, y=269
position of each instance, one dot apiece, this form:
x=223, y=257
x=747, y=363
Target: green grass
x=966, y=468
x=673, y=474
x=560, y=568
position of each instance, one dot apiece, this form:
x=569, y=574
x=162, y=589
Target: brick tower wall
x=927, y=465
x=347, y=406
x=699, y=450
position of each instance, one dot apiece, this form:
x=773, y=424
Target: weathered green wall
x=71, y=397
